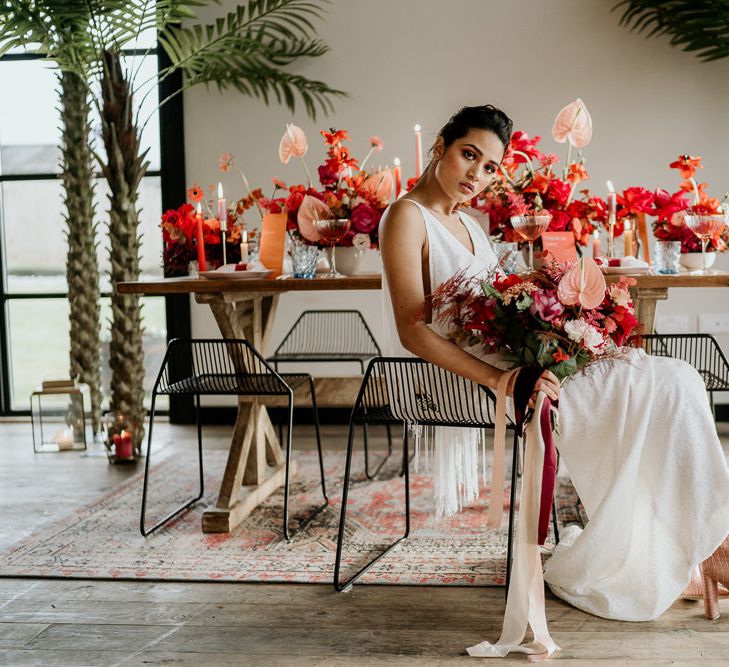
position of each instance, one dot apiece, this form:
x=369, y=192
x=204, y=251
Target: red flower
x=327, y=175
x=365, y=218
x=560, y=356
x=665, y=205
x=687, y=165
x=503, y=284
x=294, y=201
x=634, y=201
x=334, y=137
x=558, y=191
x=560, y=221
x=521, y=142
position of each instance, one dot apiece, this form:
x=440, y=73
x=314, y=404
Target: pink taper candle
x=418, y=151
x=397, y=172
x=595, y=244
x=201, y=265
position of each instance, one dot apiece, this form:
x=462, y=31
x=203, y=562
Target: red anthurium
x=634, y=201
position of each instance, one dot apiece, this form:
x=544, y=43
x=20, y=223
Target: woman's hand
x=549, y=384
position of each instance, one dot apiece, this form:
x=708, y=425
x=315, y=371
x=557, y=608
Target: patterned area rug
x=102, y=540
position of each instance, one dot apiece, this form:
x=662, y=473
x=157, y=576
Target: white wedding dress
x=640, y=444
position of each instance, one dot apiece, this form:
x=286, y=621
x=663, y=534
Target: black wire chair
x=203, y=367
x=700, y=350
x=332, y=336
x=411, y=391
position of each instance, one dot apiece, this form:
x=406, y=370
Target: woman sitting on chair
x=637, y=434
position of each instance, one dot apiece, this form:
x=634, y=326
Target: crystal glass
x=507, y=254
x=667, y=257
x=303, y=259
x=530, y=228
x=705, y=227
x=331, y=231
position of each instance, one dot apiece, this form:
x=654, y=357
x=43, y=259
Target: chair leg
x=368, y=474
x=288, y=466
x=318, y=437
x=347, y=585
x=512, y=512
x=555, y=522
x=142, y=527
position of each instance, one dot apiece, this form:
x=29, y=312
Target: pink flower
x=376, y=143
x=293, y=143
x=583, y=284
x=365, y=219
x=379, y=186
x=311, y=209
x=573, y=123
x=279, y=184
x=225, y=162
x=546, y=305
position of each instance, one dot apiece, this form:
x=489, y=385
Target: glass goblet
x=705, y=227
x=530, y=228
x=332, y=230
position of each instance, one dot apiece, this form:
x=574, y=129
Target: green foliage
x=701, y=26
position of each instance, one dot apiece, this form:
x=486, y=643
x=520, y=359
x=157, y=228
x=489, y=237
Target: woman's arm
x=402, y=239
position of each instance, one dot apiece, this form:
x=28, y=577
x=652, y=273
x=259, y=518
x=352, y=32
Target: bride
x=637, y=434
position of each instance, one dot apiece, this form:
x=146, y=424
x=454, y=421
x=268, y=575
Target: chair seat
x=238, y=384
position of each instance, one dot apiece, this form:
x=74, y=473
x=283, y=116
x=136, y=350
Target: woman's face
x=469, y=164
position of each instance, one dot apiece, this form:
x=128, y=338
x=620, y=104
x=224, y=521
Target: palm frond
x=699, y=26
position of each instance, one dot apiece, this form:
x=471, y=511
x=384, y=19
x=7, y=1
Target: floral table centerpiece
x=529, y=182
x=671, y=210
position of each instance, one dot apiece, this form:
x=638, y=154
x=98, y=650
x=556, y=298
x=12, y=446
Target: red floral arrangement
x=179, y=233
x=346, y=190
x=671, y=209
x=559, y=317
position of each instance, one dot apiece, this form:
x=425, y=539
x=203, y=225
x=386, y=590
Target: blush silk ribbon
x=525, y=601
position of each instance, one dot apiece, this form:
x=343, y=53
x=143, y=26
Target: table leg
x=256, y=465
x=644, y=301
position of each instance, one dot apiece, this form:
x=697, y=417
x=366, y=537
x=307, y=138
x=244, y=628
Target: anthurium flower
x=666, y=205
x=311, y=209
x=293, y=143
x=379, y=186
x=573, y=123
x=635, y=200
x=583, y=284
x=687, y=165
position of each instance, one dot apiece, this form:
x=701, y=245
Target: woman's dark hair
x=486, y=117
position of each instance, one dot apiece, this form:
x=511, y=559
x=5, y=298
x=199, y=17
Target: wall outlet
x=666, y=323
x=714, y=323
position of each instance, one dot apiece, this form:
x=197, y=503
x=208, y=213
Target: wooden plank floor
x=55, y=622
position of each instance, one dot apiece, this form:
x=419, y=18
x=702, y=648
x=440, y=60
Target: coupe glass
x=331, y=231
x=705, y=227
x=530, y=228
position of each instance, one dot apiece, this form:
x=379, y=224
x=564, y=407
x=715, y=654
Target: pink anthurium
x=583, y=284
x=573, y=123
x=293, y=143
x=379, y=186
x=312, y=209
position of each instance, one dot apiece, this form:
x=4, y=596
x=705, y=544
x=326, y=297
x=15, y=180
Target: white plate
x=234, y=275
x=625, y=270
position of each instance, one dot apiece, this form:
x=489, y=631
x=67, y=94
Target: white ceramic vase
x=691, y=261
x=350, y=260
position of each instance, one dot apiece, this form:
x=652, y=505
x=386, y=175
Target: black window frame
x=171, y=173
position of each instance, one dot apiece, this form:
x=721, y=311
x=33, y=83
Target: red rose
x=365, y=218
x=560, y=221
x=558, y=191
x=294, y=201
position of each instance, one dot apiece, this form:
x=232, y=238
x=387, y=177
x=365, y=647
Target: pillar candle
x=418, y=151
x=595, y=244
x=244, y=247
x=398, y=177
x=202, y=266
x=123, y=446
x=628, y=239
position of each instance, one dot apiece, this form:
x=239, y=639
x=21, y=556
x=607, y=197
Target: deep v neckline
x=464, y=222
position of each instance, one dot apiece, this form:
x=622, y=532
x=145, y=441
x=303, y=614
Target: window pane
x=35, y=233
x=29, y=119
x=33, y=360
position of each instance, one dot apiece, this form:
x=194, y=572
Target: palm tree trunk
x=82, y=270
x=123, y=169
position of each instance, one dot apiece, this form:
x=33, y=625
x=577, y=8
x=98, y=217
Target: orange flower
x=687, y=165
x=225, y=162
x=279, y=184
x=539, y=183
x=577, y=173
x=334, y=137
x=560, y=356
x=195, y=193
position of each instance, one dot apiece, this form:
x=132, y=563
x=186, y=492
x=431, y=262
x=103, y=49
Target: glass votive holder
x=303, y=259
x=507, y=254
x=667, y=257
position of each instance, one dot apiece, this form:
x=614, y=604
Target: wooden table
x=246, y=309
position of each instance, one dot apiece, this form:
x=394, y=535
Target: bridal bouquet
x=559, y=317
x=346, y=190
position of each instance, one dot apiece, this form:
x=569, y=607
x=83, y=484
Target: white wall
x=408, y=61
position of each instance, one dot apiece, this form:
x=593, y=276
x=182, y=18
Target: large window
x=34, y=326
